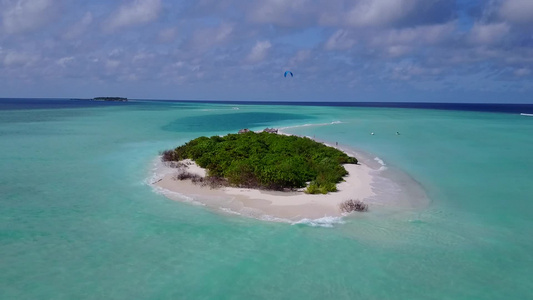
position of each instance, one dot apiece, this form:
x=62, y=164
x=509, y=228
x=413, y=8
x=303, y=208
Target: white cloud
x=429, y=34
x=19, y=59
x=143, y=57
x=207, y=37
x=64, y=61
x=398, y=50
x=306, y=13
x=112, y=64
x=522, y=72
x=116, y=53
x=281, y=12
x=486, y=34
x=216, y=39
x=136, y=13
x=406, y=71
x=354, y=13
x=259, y=51
x=340, y=40
x=167, y=35
x=517, y=11
x=383, y=13
x=379, y=12
x=25, y=15
x=300, y=56
x=80, y=27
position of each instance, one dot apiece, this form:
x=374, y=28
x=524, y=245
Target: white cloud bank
x=25, y=15
x=487, y=34
x=517, y=11
x=259, y=52
x=136, y=13
x=340, y=40
x=79, y=28
x=379, y=12
x=340, y=45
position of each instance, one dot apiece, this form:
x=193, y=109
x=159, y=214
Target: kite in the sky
x=288, y=73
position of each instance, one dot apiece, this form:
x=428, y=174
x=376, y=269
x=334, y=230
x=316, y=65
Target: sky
x=338, y=50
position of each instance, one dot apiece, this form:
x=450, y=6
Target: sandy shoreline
x=368, y=181
x=292, y=206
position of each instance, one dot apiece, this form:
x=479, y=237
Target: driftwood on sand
x=353, y=205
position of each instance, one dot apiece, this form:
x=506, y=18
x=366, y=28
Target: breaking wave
x=320, y=222
x=382, y=163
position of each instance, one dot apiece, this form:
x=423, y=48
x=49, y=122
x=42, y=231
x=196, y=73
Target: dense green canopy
x=267, y=160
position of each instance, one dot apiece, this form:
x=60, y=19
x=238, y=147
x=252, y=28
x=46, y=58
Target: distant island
x=119, y=99
x=113, y=99
x=265, y=160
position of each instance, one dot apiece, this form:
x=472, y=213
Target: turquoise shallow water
x=78, y=221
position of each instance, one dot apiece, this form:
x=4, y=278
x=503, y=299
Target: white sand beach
x=294, y=205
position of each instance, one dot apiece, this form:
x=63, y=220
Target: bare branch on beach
x=176, y=165
x=210, y=181
x=168, y=155
x=353, y=205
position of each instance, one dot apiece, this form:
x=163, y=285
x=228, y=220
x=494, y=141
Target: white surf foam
x=382, y=163
x=256, y=214
x=320, y=222
x=528, y=115
x=259, y=215
x=220, y=109
x=229, y=211
x=311, y=124
x=159, y=170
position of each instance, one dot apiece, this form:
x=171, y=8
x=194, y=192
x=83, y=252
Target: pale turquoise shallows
x=78, y=221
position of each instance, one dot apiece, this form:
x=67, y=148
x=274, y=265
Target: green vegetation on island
x=267, y=160
x=119, y=99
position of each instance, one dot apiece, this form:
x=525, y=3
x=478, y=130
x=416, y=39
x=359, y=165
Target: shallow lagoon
x=79, y=221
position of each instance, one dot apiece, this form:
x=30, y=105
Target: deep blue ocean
x=34, y=103
x=78, y=219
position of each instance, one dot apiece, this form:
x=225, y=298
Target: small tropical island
x=116, y=99
x=279, y=175
x=266, y=161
